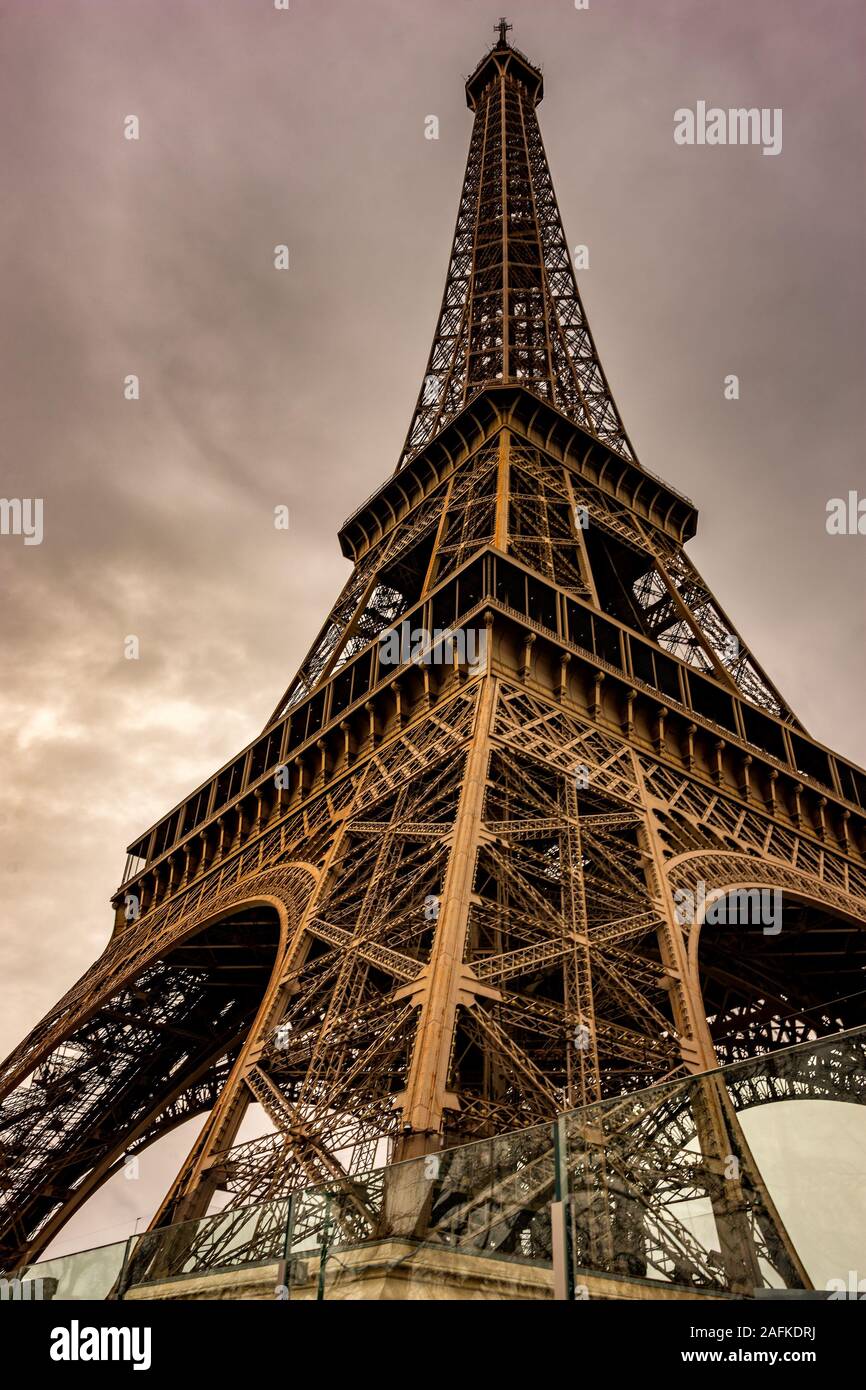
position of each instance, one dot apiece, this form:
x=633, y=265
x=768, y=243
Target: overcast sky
x=261, y=387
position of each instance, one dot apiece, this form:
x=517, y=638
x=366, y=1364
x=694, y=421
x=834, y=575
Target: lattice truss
x=563, y=528
x=391, y=576
x=156, y=1053
x=470, y=514
x=542, y=519
x=652, y=1197
x=766, y=990
x=653, y=586
x=560, y=1022
x=146, y=1037
x=642, y=1194
x=511, y=310
x=704, y=636
x=376, y=593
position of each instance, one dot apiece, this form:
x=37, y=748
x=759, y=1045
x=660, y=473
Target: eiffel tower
x=440, y=896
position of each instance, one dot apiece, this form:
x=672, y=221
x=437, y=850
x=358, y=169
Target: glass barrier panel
x=86, y=1275
x=226, y=1240
x=677, y=1185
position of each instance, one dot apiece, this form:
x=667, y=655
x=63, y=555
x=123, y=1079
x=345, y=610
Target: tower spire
x=511, y=312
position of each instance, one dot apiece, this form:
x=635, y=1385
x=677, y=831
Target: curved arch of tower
x=459, y=883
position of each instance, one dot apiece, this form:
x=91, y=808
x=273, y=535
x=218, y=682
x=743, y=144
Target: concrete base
x=400, y=1271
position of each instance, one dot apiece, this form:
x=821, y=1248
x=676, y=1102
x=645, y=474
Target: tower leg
x=722, y=1142
x=444, y=985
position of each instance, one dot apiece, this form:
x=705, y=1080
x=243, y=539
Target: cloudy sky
x=260, y=387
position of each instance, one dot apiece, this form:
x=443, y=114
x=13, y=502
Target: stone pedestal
x=399, y=1271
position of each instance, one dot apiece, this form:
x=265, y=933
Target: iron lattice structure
x=439, y=899
x=511, y=310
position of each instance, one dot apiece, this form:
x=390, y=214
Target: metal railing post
x=559, y=1208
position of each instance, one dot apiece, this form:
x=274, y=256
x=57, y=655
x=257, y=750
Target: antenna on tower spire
x=503, y=27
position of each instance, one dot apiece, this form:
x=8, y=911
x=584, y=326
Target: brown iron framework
x=511, y=310
x=434, y=900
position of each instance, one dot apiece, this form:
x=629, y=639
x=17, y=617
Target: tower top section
x=511, y=313
x=503, y=59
